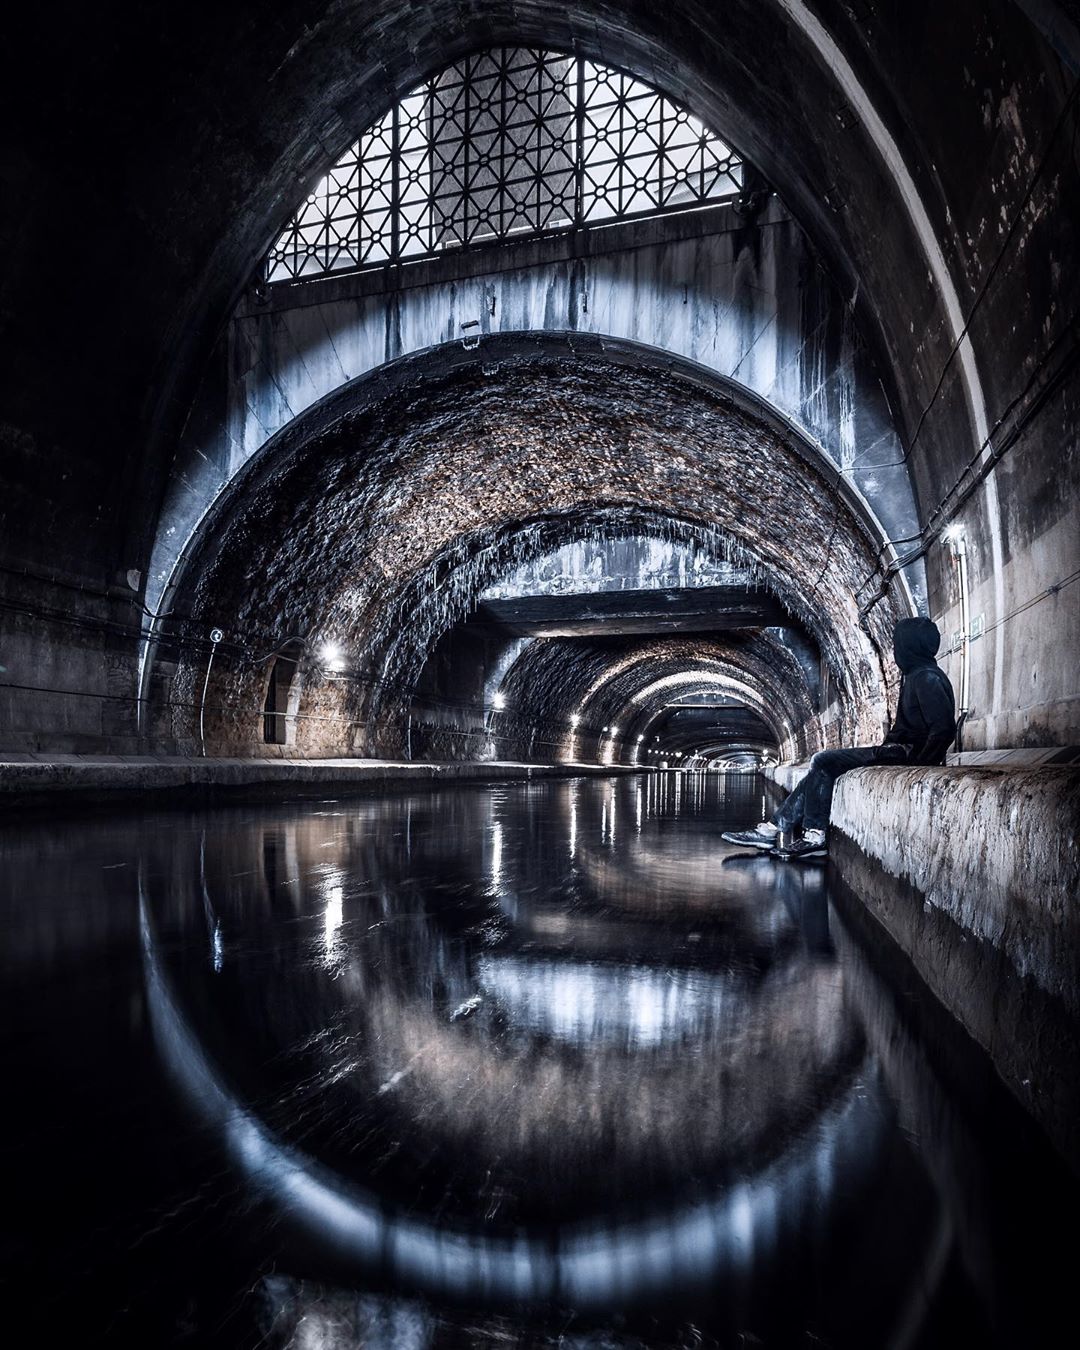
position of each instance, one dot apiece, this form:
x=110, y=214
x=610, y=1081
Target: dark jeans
x=809, y=805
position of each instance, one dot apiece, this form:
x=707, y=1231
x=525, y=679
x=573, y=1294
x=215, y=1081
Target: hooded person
x=926, y=710
x=921, y=733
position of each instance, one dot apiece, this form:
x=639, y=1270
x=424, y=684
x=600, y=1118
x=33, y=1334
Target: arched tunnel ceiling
x=585, y=689
x=377, y=521
x=918, y=145
x=265, y=101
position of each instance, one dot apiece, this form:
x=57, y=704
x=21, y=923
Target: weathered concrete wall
x=975, y=872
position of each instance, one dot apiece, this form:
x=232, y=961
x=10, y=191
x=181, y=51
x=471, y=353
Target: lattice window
x=507, y=143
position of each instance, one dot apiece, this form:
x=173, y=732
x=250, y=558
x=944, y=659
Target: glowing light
x=333, y=916
x=575, y=719
x=496, y=854
x=332, y=656
x=956, y=538
x=498, y=701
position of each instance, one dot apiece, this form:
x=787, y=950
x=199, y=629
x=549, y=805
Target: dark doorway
x=276, y=707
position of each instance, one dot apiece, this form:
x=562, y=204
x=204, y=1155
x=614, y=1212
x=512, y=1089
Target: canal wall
x=974, y=870
x=85, y=780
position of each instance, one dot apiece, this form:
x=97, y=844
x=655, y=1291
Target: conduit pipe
x=958, y=548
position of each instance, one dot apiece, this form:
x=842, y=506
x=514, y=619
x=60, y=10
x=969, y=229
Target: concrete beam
x=690, y=609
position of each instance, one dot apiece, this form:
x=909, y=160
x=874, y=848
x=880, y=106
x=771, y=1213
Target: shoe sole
x=784, y=856
x=738, y=843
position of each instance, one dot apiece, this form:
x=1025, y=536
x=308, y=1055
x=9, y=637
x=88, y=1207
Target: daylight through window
x=506, y=143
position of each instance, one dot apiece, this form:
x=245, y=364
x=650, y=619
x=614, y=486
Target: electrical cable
x=1014, y=225
x=946, y=507
x=457, y=705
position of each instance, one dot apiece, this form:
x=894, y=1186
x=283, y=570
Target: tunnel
x=467, y=471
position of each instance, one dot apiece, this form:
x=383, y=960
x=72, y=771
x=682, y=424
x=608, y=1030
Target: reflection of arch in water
x=585, y=1264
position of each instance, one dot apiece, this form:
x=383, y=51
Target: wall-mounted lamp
x=332, y=656
x=216, y=636
x=575, y=718
x=498, y=701
x=956, y=537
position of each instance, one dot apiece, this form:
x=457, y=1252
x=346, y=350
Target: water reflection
x=549, y=1045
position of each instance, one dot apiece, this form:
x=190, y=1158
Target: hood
x=915, y=643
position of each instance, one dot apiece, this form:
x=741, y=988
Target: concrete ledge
x=36, y=781
x=975, y=872
x=787, y=776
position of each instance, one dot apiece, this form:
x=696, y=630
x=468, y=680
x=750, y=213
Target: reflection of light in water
x=333, y=916
x=590, y=1264
x=219, y=948
x=496, y=853
x=588, y=1001
x=637, y=806
x=573, y=827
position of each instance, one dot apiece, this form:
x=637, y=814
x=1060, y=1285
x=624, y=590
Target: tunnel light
x=498, y=701
x=575, y=718
x=640, y=739
x=332, y=656
x=956, y=537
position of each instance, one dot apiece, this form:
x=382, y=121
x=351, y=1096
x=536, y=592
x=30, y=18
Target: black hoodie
x=926, y=710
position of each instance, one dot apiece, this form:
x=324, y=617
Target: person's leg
x=820, y=781
x=789, y=814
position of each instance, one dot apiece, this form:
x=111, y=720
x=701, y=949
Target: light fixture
x=498, y=700
x=575, y=718
x=331, y=656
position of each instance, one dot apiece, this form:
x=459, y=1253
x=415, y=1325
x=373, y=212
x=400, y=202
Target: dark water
x=539, y=1065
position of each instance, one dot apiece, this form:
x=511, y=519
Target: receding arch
x=400, y=496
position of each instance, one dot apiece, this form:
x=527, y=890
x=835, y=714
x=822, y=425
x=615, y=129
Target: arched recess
x=282, y=699
x=375, y=519
x=597, y=699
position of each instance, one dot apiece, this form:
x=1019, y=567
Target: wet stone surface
x=522, y=1065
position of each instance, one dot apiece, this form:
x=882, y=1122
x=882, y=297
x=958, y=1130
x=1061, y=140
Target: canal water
x=544, y=1064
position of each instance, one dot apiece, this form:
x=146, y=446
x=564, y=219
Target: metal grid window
x=508, y=143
